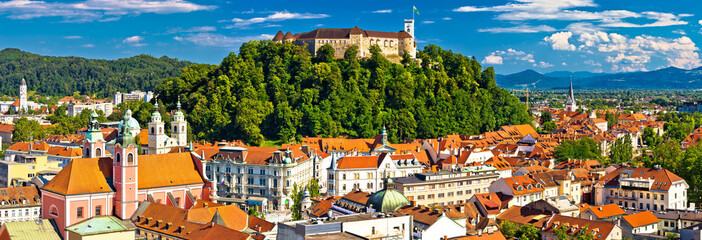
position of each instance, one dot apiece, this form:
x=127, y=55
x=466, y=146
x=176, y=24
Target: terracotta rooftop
x=641, y=219
x=599, y=229
x=662, y=178
x=605, y=211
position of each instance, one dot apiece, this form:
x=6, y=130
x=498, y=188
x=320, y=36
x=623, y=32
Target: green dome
x=387, y=200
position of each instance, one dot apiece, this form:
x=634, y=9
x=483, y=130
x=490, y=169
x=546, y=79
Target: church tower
x=157, y=137
x=570, y=104
x=125, y=171
x=94, y=144
x=23, y=96
x=179, y=127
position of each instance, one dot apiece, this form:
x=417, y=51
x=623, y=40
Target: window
x=98, y=210
x=98, y=152
x=13, y=212
x=648, y=195
x=79, y=212
x=263, y=172
x=263, y=192
x=119, y=157
x=130, y=158
x=53, y=211
x=662, y=197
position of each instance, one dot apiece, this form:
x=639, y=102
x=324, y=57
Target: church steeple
x=385, y=136
x=570, y=104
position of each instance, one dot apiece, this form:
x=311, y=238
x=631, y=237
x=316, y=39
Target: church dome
x=131, y=122
x=387, y=200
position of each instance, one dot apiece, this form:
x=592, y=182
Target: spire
x=385, y=136
x=156, y=105
x=24, y=83
x=178, y=103
x=571, y=97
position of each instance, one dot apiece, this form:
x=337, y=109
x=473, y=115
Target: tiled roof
x=525, y=216
x=605, y=211
x=599, y=229
x=321, y=208
x=15, y=195
x=41, y=229
x=82, y=175
x=421, y=214
x=523, y=185
x=358, y=162
x=65, y=152
x=662, y=178
x=493, y=203
x=6, y=128
x=357, y=196
x=641, y=219
x=171, y=169
x=496, y=235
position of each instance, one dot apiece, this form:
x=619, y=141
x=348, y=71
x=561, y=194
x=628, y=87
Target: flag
x=415, y=10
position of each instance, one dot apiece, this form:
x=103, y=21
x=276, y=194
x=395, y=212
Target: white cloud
x=219, y=40
x=276, y=17
x=519, y=29
x=680, y=31
x=134, y=41
x=383, y=11
x=446, y=19
x=559, y=41
x=72, y=37
x=498, y=57
x=521, y=10
x=492, y=59
x=92, y=10
x=582, y=27
x=631, y=53
x=89, y=45
x=192, y=29
x=427, y=22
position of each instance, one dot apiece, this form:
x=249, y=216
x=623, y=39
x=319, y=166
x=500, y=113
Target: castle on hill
x=341, y=39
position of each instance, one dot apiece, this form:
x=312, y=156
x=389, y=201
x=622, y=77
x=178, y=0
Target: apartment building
x=650, y=189
x=446, y=187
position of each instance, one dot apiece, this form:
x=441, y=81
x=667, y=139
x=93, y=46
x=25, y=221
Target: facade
x=391, y=43
x=260, y=175
x=652, y=189
x=23, y=167
x=75, y=108
x=599, y=230
x=523, y=189
x=132, y=96
x=159, y=142
x=88, y=187
x=432, y=224
x=445, y=188
x=366, y=173
x=642, y=223
x=19, y=204
x=609, y=212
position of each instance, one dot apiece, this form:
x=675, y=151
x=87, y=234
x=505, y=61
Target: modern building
x=19, y=204
x=391, y=43
x=263, y=176
x=652, y=189
x=23, y=167
x=355, y=226
x=132, y=96
x=446, y=187
x=77, y=107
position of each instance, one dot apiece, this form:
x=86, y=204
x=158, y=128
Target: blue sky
x=544, y=35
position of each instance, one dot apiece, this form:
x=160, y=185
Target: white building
x=75, y=108
x=642, y=223
x=369, y=225
x=19, y=204
x=159, y=142
x=523, y=189
x=133, y=96
x=367, y=173
x=262, y=176
x=650, y=189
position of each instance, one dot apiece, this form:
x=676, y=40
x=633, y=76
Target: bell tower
x=23, y=96
x=157, y=137
x=94, y=144
x=125, y=164
x=179, y=127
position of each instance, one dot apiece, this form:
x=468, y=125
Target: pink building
x=88, y=187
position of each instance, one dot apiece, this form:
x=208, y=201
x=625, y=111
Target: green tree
x=546, y=117
x=253, y=211
x=611, y=119
x=296, y=196
x=313, y=188
x=528, y=232
x=508, y=229
x=582, y=149
x=26, y=130
x=650, y=137
x=351, y=53
x=672, y=236
x=622, y=150
x=549, y=126
x=325, y=53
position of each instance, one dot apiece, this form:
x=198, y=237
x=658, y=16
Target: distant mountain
x=666, y=78
x=62, y=76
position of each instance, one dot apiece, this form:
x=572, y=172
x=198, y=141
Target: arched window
x=119, y=157
x=175, y=129
x=152, y=130
x=182, y=129
x=98, y=152
x=53, y=210
x=98, y=210
x=160, y=130
x=87, y=152
x=385, y=43
x=130, y=158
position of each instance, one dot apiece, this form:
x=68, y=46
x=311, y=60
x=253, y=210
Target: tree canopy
x=278, y=91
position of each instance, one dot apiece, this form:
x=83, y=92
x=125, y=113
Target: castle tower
x=570, y=103
x=409, y=26
x=179, y=127
x=410, y=44
x=157, y=137
x=23, y=96
x=94, y=144
x=125, y=171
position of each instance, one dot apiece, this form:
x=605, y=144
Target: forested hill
x=277, y=91
x=60, y=76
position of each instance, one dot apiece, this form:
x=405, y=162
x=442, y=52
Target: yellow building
x=392, y=43
x=23, y=167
